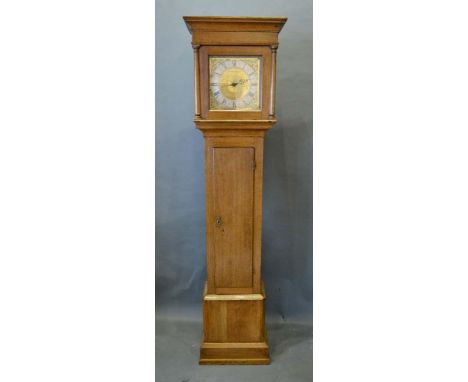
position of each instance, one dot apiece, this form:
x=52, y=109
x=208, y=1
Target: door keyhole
x=218, y=221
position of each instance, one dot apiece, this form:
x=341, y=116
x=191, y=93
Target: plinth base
x=234, y=330
x=229, y=353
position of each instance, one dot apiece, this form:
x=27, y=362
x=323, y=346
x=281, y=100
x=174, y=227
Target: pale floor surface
x=177, y=347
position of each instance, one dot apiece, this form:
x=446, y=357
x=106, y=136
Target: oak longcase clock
x=234, y=82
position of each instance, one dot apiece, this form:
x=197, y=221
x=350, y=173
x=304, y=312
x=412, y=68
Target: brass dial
x=234, y=83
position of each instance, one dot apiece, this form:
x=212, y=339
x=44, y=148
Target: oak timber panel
x=234, y=321
x=212, y=143
x=234, y=38
x=233, y=175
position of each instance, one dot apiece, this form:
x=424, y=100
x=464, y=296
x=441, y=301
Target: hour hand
x=240, y=82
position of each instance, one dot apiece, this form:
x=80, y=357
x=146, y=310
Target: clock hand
x=240, y=82
x=221, y=83
x=233, y=83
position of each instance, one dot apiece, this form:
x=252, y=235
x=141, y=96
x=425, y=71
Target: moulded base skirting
x=255, y=353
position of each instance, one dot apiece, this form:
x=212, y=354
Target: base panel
x=234, y=330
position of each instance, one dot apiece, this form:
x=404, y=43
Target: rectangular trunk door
x=233, y=174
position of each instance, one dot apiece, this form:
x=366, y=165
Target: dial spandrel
x=234, y=83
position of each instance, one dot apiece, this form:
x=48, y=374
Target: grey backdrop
x=180, y=203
